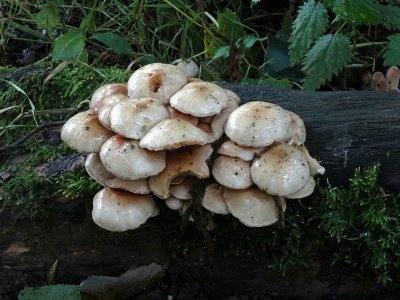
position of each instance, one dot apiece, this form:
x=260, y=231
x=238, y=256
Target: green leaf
x=249, y=41
x=356, y=11
x=48, y=17
x=392, y=53
x=116, y=42
x=51, y=292
x=310, y=23
x=390, y=16
x=69, y=45
x=222, y=52
x=87, y=23
x=328, y=56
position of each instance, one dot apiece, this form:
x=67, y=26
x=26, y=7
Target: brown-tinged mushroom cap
x=133, y=118
x=126, y=159
x=172, y=134
x=232, y=172
x=139, y=186
x=296, y=134
x=106, y=90
x=305, y=191
x=185, y=161
x=84, y=132
x=94, y=167
x=213, y=199
x=182, y=190
x=105, y=107
x=176, y=114
x=119, y=210
x=200, y=99
x=189, y=67
x=382, y=85
x=156, y=80
x=251, y=206
x=257, y=124
x=376, y=77
x=229, y=148
x=315, y=167
x=280, y=170
x=206, y=128
x=393, y=77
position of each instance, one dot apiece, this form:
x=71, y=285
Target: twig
x=23, y=139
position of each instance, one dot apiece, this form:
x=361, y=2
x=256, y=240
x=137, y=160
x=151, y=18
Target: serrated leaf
x=356, y=11
x=222, y=52
x=51, y=292
x=69, y=45
x=390, y=16
x=310, y=23
x=116, y=42
x=392, y=53
x=48, y=17
x=249, y=41
x=328, y=56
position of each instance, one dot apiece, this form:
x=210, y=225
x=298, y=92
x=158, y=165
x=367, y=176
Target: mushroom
x=182, y=190
x=94, y=167
x=172, y=134
x=232, y=172
x=219, y=121
x=105, y=107
x=257, y=124
x=119, y=210
x=229, y=148
x=393, y=77
x=315, y=167
x=189, y=67
x=233, y=98
x=133, y=118
x=106, y=90
x=305, y=191
x=296, y=134
x=156, y=80
x=176, y=114
x=84, y=132
x=200, y=99
x=139, y=186
x=174, y=203
x=280, y=170
x=213, y=199
x=251, y=206
x=376, y=77
x=126, y=159
x=185, y=161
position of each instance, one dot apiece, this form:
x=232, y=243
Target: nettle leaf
x=329, y=55
x=116, y=42
x=310, y=23
x=390, y=17
x=48, y=17
x=356, y=11
x=69, y=45
x=392, y=53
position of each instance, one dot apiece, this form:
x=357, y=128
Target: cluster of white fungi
x=155, y=136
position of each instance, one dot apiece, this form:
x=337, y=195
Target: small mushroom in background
x=189, y=67
x=366, y=78
x=393, y=77
x=105, y=107
x=84, y=132
x=213, y=199
x=106, y=90
x=376, y=77
x=174, y=203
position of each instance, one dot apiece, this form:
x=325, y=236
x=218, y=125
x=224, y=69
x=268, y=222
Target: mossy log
x=345, y=130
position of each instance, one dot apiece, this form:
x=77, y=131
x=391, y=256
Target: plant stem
x=370, y=44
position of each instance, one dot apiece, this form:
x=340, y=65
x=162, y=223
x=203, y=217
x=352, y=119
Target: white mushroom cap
x=296, y=134
x=84, y=132
x=280, y=170
x=229, y=148
x=139, y=186
x=156, y=211
x=213, y=199
x=94, y=167
x=118, y=210
x=185, y=161
x=233, y=98
x=219, y=121
x=305, y=191
x=106, y=90
x=251, y=206
x=176, y=114
x=174, y=203
x=133, y=118
x=257, y=124
x=188, y=66
x=232, y=172
x=200, y=99
x=182, y=190
x=156, y=80
x=172, y=134
x=105, y=107
x=315, y=167
x=126, y=159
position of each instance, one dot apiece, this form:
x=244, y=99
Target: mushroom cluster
x=165, y=131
